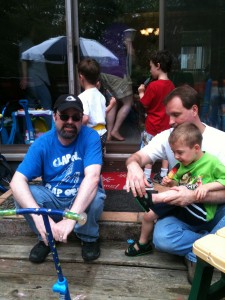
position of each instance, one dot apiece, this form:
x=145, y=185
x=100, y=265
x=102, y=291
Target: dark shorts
x=162, y=210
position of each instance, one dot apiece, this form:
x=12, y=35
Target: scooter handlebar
x=80, y=218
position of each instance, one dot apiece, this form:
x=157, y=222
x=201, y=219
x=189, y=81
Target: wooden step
x=112, y=276
x=122, y=147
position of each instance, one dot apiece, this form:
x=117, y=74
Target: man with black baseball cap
x=69, y=160
x=68, y=101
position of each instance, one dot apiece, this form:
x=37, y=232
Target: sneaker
x=151, y=184
x=191, y=266
x=90, y=250
x=142, y=249
x=39, y=252
x=157, y=178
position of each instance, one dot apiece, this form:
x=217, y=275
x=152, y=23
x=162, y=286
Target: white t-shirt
x=94, y=104
x=159, y=148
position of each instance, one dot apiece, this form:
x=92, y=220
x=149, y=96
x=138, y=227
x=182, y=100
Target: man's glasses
x=75, y=118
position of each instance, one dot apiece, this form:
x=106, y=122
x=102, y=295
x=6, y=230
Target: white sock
x=147, y=173
x=163, y=172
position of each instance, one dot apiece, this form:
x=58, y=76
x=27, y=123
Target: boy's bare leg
x=121, y=116
x=149, y=218
x=146, y=228
x=110, y=119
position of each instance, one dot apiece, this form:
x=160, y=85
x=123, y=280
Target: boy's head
x=185, y=142
x=162, y=59
x=89, y=70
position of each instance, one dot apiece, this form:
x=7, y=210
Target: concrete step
x=118, y=221
x=109, y=230
x=121, y=218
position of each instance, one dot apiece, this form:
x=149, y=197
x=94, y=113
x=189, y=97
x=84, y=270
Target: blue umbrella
x=54, y=50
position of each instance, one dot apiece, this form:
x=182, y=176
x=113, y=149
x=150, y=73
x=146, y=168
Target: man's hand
x=39, y=223
x=136, y=180
x=177, y=195
x=62, y=229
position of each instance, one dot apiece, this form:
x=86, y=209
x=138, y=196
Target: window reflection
x=196, y=43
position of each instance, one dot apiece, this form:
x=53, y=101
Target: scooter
x=30, y=134
x=6, y=174
x=5, y=137
x=61, y=286
x=10, y=138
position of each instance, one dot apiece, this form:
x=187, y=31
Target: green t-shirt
x=207, y=169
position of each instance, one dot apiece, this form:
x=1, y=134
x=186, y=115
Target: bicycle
x=8, y=138
x=61, y=286
x=6, y=174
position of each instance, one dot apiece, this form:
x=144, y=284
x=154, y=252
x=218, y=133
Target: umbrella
x=54, y=50
x=93, y=49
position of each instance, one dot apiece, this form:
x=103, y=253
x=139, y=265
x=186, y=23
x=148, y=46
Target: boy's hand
x=141, y=88
x=201, y=192
x=166, y=181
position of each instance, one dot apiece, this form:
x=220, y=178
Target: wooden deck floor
x=112, y=276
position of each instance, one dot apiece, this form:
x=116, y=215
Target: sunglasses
x=75, y=118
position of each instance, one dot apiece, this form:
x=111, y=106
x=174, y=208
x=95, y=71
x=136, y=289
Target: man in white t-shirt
x=171, y=234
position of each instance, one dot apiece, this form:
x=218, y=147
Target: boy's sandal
x=142, y=249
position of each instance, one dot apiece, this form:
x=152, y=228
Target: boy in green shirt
x=197, y=170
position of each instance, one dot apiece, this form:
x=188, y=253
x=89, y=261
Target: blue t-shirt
x=62, y=167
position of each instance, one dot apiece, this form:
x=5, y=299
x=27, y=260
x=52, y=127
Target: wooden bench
x=210, y=252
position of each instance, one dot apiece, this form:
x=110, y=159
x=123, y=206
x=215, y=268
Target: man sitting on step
x=172, y=234
x=69, y=160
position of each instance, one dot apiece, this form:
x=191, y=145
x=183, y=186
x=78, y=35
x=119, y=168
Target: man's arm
x=21, y=191
x=215, y=197
x=182, y=196
x=88, y=188
x=136, y=180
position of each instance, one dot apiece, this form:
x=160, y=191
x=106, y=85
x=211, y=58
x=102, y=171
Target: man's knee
x=160, y=238
x=98, y=202
x=163, y=235
x=40, y=194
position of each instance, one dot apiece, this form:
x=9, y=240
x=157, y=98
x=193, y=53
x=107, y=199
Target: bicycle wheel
x=6, y=174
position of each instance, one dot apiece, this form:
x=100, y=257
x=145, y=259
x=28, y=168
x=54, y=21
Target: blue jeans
x=176, y=237
x=88, y=232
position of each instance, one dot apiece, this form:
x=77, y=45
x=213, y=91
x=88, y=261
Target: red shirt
x=157, y=120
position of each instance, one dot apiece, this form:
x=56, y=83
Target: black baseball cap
x=68, y=101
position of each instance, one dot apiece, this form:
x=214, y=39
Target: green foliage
x=46, y=18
